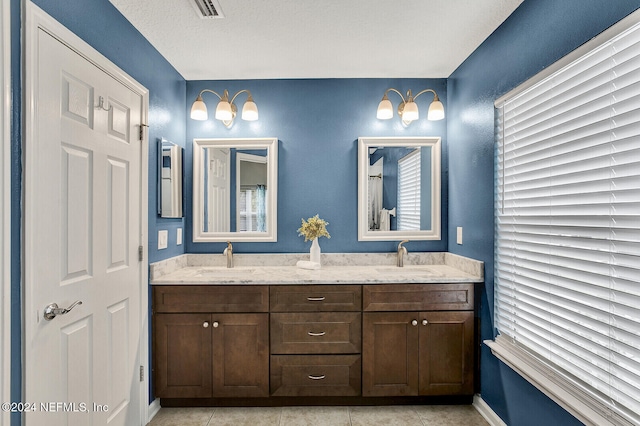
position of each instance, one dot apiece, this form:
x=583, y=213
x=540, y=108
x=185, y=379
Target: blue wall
x=317, y=123
x=537, y=34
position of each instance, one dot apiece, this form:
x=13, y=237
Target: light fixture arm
x=211, y=91
x=391, y=89
x=241, y=91
x=435, y=95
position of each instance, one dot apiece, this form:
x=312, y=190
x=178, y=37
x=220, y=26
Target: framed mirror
x=169, y=179
x=398, y=188
x=235, y=190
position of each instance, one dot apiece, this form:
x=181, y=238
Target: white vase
x=315, y=251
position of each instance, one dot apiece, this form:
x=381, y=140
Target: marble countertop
x=337, y=268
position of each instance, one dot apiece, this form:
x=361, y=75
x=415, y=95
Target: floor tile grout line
x=422, y=421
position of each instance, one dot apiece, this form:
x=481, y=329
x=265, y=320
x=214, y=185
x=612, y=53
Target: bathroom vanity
x=267, y=332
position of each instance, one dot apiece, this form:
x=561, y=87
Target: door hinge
x=142, y=373
x=140, y=253
x=141, y=134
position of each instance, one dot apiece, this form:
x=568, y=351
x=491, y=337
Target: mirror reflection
x=399, y=188
x=234, y=189
x=169, y=179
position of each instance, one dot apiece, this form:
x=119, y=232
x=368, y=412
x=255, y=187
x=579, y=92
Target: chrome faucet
x=229, y=253
x=401, y=252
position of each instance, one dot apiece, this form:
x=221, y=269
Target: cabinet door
x=182, y=351
x=390, y=354
x=446, y=353
x=240, y=355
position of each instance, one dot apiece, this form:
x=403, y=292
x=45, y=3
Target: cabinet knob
x=425, y=322
x=414, y=322
x=205, y=324
x=216, y=324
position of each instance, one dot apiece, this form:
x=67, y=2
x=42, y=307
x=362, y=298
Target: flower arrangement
x=313, y=228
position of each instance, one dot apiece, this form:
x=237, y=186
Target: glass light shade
x=436, y=111
x=250, y=111
x=385, y=109
x=410, y=111
x=199, y=110
x=223, y=111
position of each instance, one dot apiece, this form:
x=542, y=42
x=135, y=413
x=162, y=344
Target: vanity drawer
x=315, y=375
x=316, y=333
x=418, y=297
x=211, y=298
x=314, y=298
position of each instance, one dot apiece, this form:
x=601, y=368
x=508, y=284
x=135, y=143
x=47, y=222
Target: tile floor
x=406, y=415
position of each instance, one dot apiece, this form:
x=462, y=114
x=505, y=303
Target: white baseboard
x=154, y=407
x=485, y=411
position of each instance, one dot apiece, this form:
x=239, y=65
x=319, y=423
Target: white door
x=219, y=192
x=82, y=228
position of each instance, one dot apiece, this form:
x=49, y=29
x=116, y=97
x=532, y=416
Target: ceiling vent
x=209, y=9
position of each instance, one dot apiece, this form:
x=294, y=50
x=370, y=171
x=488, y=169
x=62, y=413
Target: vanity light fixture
x=226, y=109
x=408, y=110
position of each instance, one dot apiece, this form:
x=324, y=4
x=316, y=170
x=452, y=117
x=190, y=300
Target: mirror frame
x=176, y=154
x=271, y=145
x=364, y=143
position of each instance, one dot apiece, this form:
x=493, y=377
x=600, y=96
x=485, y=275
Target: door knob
x=52, y=310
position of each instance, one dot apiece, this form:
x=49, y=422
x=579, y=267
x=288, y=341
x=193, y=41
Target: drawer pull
x=316, y=377
x=315, y=299
x=311, y=333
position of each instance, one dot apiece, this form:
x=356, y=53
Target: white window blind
x=409, y=191
x=567, y=252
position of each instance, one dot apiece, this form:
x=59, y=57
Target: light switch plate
x=459, y=236
x=163, y=239
x=179, y=237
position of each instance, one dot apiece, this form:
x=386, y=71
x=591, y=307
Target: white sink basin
x=406, y=270
x=222, y=272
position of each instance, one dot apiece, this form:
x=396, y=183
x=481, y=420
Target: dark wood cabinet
x=255, y=341
x=182, y=352
x=316, y=298
x=240, y=355
x=211, y=354
x=315, y=375
x=316, y=334
x=410, y=353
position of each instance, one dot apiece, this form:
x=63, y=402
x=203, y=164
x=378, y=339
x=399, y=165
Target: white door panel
x=219, y=185
x=83, y=222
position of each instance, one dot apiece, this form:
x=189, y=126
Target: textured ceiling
x=261, y=39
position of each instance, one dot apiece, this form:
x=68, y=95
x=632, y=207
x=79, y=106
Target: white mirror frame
x=271, y=235
x=364, y=143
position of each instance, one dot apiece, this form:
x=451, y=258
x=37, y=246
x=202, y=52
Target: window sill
x=571, y=396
